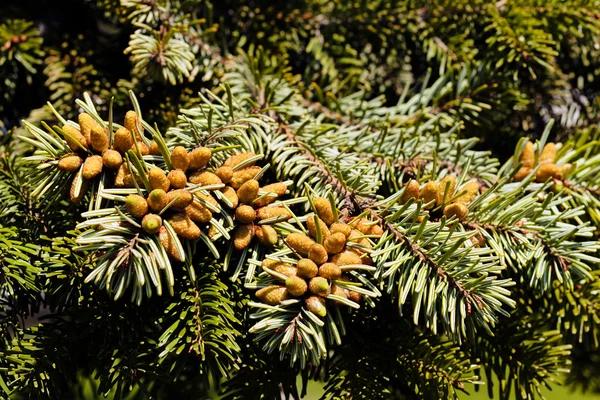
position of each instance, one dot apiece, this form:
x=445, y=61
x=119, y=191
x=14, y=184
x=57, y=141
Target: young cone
x=272, y=295
x=231, y=195
x=411, y=191
x=157, y=200
x=92, y=167
x=204, y=178
x=158, y=179
x=319, y=286
x=99, y=139
x=311, y=224
x=181, y=199
x=199, y=157
x=122, y=141
x=266, y=235
x=167, y=243
x=70, y=162
x=75, y=138
x=307, y=268
x=296, y=286
x=317, y=253
x=180, y=159
x=136, y=205
x=177, y=179
x=224, y=173
x=248, y=192
x=184, y=227
x=151, y=223
x=242, y=176
x=198, y=212
x=112, y=159
x=316, y=305
x=242, y=236
x=330, y=271
x=324, y=210
x=299, y=242
x=245, y=214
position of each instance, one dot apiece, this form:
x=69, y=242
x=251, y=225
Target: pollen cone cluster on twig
x=331, y=249
x=546, y=163
x=450, y=200
x=92, y=151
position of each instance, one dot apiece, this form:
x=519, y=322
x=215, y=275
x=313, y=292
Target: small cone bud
x=354, y=296
x=151, y=223
x=299, y=242
x=311, y=224
x=272, y=295
x=154, y=149
x=77, y=197
x=266, y=235
x=231, y=195
x=411, y=191
x=204, y=178
x=341, y=228
x=307, y=268
x=324, y=210
x=316, y=305
x=528, y=155
x=362, y=224
x=281, y=267
x=180, y=159
x=140, y=149
x=92, y=166
x=545, y=172
x=136, y=205
x=242, y=176
x=122, y=140
x=456, y=209
x=471, y=189
x=346, y=258
x=335, y=243
x=112, y=159
x=238, y=158
x=99, y=139
x=318, y=254
x=177, y=178
x=86, y=123
x=212, y=231
x=225, y=174
x=278, y=189
x=75, y=139
x=429, y=193
x=522, y=173
x=121, y=174
x=245, y=214
x=296, y=286
x=273, y=212
x=184, y=227
x=319, y=286
x=70, y=162
x=248, y=192
x=548, y=154
x=446, y=189
x=376, y=230
x=132, y=122
x=158, y=179
x=199, y=157
x=167, y=243
x=197, y=212
x=330, y=271
x=242, y=236
x=182, y=198
x=158, y=199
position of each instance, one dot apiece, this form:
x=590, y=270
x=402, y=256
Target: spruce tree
x=236, y=199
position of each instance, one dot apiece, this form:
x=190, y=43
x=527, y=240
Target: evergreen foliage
x=395, y=199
